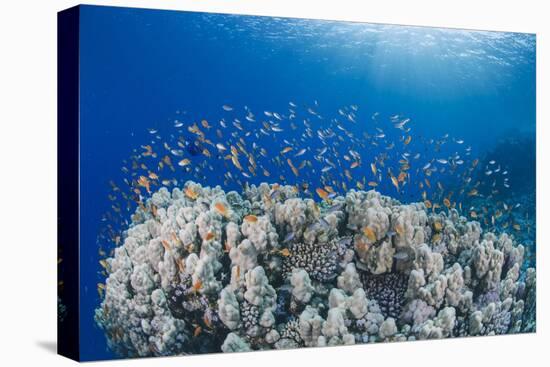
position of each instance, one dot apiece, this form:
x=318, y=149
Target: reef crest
x=201, y=270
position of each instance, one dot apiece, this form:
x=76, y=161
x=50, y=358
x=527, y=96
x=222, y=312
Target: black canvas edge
x=68, y=341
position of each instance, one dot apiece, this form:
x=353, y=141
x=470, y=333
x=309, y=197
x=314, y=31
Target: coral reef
x=201, y=270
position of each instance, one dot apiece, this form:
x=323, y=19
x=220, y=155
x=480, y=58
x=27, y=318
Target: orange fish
x=220, y=208
x=369, y=233
x=399, y=229
x=104, y=264
x=294, y=169
x=322, y=193
x=144, y=182
x=167, y=160
x=285, y=252
x=166, y=245
x=197, y=285
x=329, y=189
x=184, y=162
x=197, y=331
x=209, y=236
x=194, y=129
x=395, y=182
x=207, y=320
x=286, y=150
x=190, y=193
x=251, y=218
x=402, y=176
x=373, y=168
x=348, y=174
x=236, y=162
x=148, y=151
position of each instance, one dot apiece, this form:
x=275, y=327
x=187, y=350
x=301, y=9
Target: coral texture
x=217, y=271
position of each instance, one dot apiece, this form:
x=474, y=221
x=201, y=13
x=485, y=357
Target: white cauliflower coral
x=302, y=289
x=215, y=271
x=258, y=290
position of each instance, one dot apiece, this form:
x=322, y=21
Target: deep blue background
x=138, y=67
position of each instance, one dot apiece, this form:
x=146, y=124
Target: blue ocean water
x=468, y=94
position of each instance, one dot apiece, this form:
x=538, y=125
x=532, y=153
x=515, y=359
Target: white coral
x=302, y=290
x=245, y=255
x=358, y=304
x=349, y=279
x=311, y=324
x=387, y=329
x=261, y=233
x=179, y=252
x=258, y=290
x=234, y=344
x=228, y=309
